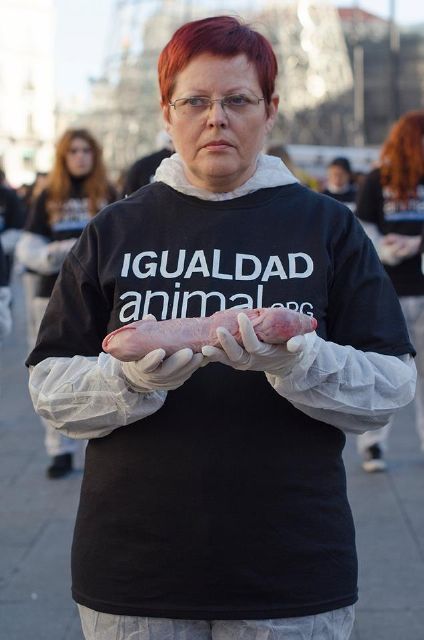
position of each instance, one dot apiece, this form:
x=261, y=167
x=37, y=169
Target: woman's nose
x=217, y=115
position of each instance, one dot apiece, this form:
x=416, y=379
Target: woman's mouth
x=217, y=145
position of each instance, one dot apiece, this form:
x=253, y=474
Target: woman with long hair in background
x=391, y=208
x=77, y=189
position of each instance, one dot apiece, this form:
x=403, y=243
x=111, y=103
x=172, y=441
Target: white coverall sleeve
x=88, y=397
x=384, y=253
x=37, y=253
x=5, y=315
x=353, y=390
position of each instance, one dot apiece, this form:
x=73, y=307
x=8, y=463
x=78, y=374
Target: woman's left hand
x=254, y=355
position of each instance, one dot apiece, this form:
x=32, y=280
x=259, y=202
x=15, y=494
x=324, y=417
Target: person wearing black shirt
x=12, y=219
x=391, y=208
x=77, y=189
x=339, y=182
x=143, y=170
x=214, y=501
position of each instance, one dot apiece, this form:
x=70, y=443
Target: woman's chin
x=219, y=176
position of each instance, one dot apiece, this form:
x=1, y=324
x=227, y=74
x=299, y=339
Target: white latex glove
x=276, y=359
x=154, y=372
x=387, y=256
x=408, y=246
x=394, y=248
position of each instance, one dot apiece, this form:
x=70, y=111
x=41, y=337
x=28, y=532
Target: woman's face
x=219, y=146
x=337, y=177
x=79, y=158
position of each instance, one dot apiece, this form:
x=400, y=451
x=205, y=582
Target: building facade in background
x=26, y=88
x=307, y=36
x=344, y=76
x=388, y=65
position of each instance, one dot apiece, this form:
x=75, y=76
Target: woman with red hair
x=214, y=501
x=391, y=208
x=77, y=188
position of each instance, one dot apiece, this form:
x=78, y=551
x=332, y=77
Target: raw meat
x=135, y=340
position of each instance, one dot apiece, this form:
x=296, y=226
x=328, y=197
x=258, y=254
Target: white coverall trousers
x=331, y=625
x=55, y=442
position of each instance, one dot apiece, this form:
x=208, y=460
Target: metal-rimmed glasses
x=196, y=105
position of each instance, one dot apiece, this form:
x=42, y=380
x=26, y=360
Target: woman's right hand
x=155, y=372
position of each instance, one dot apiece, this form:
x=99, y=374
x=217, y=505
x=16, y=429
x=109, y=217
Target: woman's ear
x=272, y=112
x=165, y=117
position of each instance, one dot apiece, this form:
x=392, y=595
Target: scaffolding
x=315, y=78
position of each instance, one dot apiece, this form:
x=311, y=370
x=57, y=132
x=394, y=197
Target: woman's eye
x=237, y=101
x=197, y=102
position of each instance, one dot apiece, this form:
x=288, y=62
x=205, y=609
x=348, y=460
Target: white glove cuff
x=301, y=361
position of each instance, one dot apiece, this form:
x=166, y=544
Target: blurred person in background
x=390, y=206
x=214, y=502
x=30, y=192
x=12, y=219
x=77, y=188
x=143, y=170
x=5, y=315
x=280, y=151
x=340, y=183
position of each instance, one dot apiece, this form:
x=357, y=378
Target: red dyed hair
x=223, y=36
x=96, y=186
x=402, y=156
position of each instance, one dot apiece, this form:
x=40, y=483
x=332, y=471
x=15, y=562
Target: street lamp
x=394, y=47
x=358, y=82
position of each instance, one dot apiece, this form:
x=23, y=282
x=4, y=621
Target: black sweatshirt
x=227, y=503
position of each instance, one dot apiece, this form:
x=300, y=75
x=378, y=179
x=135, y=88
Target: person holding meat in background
x=391, y=208
x=77, y=188
x=214, y=503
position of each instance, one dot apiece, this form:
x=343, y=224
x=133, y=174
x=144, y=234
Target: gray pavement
x=37, y=517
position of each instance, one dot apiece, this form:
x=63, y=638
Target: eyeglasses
x=195, y=105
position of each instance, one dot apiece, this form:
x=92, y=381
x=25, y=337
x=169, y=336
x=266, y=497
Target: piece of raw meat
x=135, y=340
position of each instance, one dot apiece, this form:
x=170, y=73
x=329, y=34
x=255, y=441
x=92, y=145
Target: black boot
x=60, y=466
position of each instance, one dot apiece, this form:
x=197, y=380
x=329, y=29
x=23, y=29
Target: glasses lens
x=237, y=101
x=191, y=106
